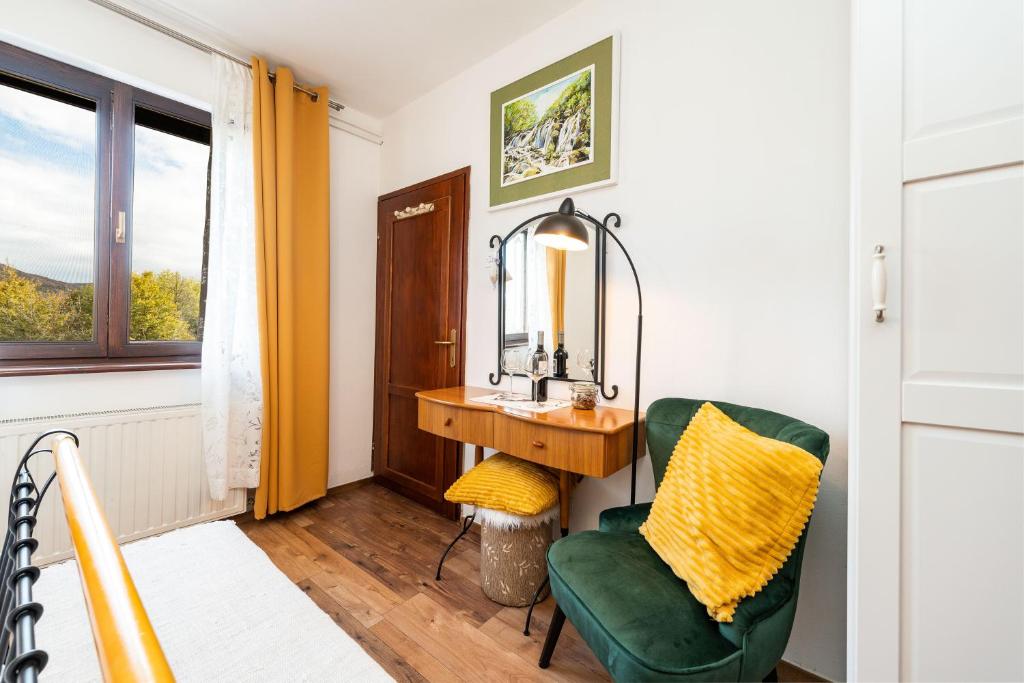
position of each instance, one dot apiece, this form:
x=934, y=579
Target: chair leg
x=466, y=525
x=536, y=599
x=773, y=676
x=554, y=630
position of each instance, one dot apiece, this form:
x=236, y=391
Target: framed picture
x=556, y=129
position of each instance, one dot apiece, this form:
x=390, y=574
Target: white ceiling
x=374, y=55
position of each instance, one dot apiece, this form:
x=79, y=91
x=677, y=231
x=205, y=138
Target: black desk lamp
x=564, y=230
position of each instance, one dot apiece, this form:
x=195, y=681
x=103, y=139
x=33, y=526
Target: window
x=104, y=205
x=516, y=332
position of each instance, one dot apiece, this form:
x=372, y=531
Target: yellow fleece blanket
x=730, y=509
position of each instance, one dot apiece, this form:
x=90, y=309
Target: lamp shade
x=563, y=230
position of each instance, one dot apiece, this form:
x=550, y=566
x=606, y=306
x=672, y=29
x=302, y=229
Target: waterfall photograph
x=556, y=128
x=549, y=129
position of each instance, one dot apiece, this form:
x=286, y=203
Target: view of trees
x=574, y=98
x=38, y=309
x=519, y=116
x=164, y=306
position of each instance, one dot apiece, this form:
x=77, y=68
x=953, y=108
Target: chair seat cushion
x=639, y=619
x=506, y=483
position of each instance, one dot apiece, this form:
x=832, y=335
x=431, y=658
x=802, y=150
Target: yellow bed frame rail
x=126, y=644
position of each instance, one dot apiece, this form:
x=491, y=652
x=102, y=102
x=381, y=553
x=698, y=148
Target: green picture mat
x=601, y=55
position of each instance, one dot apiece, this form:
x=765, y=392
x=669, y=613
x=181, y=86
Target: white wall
x=732, y=189
x=355, y=169
x=94, y=38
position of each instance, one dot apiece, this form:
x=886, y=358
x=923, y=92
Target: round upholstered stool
x=515, y=502
x=513, y=552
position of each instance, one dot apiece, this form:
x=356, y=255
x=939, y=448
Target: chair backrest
x=668, y=417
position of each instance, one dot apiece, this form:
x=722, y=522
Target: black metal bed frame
x=20, y=660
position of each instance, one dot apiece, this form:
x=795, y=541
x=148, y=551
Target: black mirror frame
x=600, y=291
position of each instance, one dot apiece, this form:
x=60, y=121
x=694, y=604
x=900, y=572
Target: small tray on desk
x=500, y=400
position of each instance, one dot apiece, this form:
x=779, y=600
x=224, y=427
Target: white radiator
x=146, y=466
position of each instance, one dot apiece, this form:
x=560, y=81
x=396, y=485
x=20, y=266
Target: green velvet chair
x=640, y=620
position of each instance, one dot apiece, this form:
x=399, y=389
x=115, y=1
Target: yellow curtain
x=556, y=292
x=290, y=150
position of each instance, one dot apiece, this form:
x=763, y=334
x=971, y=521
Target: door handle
x=878, y=283
x=119, y=230
x=451, y=344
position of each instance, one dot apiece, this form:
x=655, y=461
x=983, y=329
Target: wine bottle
x=561, y=358
x=537, y=369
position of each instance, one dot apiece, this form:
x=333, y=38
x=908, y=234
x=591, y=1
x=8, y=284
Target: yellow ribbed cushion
x=730, y=509
x=506, y=483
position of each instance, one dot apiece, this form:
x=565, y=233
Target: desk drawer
x=566, y=449
x=458, y=424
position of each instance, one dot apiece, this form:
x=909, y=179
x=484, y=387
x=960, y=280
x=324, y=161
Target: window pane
x=168, y=226
x=515, y=285
x=47, y=215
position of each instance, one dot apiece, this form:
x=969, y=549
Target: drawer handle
x=538, y=444
x=447, y=421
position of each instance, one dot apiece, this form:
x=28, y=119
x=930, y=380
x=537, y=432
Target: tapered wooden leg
x=564, y=493
x=554, y=630
x=479, y=455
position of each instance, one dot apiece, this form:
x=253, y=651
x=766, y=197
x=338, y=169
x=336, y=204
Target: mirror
x=551, y=290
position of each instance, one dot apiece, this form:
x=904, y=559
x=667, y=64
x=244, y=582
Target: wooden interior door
x=421, y=289
x=937, y=421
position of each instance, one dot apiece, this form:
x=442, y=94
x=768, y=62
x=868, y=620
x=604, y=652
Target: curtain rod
x=188, y=40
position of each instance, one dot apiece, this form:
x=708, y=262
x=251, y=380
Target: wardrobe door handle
x=447, y=422
x=878, y=283
x=538, y=444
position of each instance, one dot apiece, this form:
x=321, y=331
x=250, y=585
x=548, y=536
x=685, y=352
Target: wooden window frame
x=110, y=349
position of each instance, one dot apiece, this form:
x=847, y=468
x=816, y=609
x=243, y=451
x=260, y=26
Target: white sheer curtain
x=232, y=388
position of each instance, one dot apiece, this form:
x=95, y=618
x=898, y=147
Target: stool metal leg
x=536, y=599
x=536, y=596
x=466, y=525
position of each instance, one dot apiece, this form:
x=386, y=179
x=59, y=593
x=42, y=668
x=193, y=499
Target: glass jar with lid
x=584, y=395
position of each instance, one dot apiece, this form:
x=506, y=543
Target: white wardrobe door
x=962, y=517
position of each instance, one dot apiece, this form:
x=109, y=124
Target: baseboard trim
x=791, y=673
x=350, y=485
x=247, y=515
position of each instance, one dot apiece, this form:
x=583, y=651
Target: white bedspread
x=221, y=609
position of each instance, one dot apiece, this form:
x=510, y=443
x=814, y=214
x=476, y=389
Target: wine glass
x=512, y=364
x=585, y=362
x=537, y=369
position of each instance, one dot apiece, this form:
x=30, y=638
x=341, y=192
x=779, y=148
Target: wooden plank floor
x=367, y=557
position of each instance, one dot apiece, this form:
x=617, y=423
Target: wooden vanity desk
x=592, y=443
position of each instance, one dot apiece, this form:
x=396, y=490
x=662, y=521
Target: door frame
x=875, y=410
x=451, y=470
